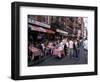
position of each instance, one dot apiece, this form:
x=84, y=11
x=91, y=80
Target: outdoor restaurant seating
x=35, y=52
x=58, y=52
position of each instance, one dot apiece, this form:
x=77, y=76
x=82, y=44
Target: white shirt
x=76, y=43
x=43, y=46
x=61, y=45
x=85, y=44
x=70, y=44
x=67, y=44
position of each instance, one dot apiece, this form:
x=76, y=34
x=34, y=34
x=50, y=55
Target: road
x=66, y=60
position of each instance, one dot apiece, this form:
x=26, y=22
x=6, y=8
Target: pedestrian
x=76, y=48
x=43, y=48
x=81, y=42
x=85, y=44
x=62, y=44
x=67, y=47
x=71, y=48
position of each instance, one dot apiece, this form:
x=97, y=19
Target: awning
x=32, y=21
x=62, y=32
x=50, y=31
x=40, y=29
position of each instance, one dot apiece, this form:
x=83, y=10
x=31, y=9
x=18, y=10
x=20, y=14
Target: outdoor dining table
x=58, y=52
x=35, y=52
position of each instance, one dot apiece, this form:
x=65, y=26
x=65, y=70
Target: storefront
x=40, y=34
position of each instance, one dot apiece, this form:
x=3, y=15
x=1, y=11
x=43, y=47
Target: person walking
x=71, y=48
x=67, y=47
x=76, y=48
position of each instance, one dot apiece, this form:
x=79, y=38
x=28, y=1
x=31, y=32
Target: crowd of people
x=65, y=47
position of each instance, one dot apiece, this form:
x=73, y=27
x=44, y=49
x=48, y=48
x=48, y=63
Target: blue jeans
x=71, y=52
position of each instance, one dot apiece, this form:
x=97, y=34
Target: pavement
x=49, y=60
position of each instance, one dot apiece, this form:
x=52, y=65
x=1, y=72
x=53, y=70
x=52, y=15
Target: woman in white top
x=71, y=48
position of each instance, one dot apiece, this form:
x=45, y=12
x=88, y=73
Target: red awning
x=41, y=29
x=50, y=31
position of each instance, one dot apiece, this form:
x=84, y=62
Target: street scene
x=57, y=40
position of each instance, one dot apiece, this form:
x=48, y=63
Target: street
x=65, y=60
